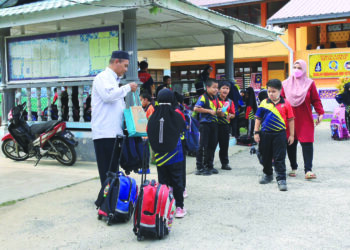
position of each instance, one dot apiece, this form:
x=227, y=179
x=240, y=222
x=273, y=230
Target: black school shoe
x=213, y=170
x=282, y=185
x=202, y=171
x=266, y=179
x=226, y=167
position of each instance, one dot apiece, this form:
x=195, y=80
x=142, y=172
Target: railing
x=70, y=104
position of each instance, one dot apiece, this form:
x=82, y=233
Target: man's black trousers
x=223, y=140
x=207, y=145
x=274, y=146
x=103, y=151
x=172, y=176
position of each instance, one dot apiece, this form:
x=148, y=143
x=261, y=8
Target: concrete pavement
x=228, y=211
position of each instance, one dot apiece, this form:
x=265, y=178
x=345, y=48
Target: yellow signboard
x=332, y=65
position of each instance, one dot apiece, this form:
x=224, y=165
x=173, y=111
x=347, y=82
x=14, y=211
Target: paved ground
x=226, y=211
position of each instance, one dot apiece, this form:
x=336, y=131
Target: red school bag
x=155, y=208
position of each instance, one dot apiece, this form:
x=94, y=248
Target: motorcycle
x=47, y=139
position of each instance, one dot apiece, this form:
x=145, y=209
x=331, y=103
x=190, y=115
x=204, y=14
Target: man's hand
x=319, y=119
x=133, y=86
x=290, y=140
x=257, y=138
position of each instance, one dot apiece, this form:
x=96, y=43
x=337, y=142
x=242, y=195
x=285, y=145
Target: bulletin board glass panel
x=74, y=54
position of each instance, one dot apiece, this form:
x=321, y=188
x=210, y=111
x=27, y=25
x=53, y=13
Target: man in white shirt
x=107, y=101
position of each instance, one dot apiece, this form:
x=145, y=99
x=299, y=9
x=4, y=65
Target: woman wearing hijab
x=301, y=92
x=344, y=98
x=202, y=78
x=164, y=128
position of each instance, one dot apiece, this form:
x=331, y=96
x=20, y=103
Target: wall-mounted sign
x=74, y=54
x=331, y=65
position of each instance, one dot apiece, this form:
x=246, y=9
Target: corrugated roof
x=311, y=10
x=218, y=3
x=41, y=5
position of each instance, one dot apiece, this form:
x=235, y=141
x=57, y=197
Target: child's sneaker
x=185, y=194
x=266, y=179
x=282, y=185
x=180, y=212
x=147, y=171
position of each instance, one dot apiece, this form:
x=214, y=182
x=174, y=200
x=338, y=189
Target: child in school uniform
x=164, y=128
x=224, y=128
x=208, y=129
x=275, y=116
x=146, y=102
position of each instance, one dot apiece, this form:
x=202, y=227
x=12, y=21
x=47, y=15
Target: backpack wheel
x=99, y=217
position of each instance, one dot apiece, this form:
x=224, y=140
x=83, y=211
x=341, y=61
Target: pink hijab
x=296, y=89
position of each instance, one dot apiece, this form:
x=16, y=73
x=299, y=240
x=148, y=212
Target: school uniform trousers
x=223, y=141
x=172, y=175
x=104, y=152
x=274, y=146
x=207, y=145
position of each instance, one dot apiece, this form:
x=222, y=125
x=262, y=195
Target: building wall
x=157, y=59
x=240, y=51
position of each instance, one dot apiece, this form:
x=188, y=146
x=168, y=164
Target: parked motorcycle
x=47, y=139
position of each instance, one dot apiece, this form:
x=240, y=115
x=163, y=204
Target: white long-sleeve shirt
x=107, y=102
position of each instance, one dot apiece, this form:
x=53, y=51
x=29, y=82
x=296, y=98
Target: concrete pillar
x=8, y=95
x=228, y=34
x=130, y=45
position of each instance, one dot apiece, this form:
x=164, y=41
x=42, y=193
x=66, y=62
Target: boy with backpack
x=275, y=115
x=228, y=112
x=208, y=128
x=164, y=129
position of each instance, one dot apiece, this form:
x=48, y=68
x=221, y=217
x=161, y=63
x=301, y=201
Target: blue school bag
x=117, y=197
x=192, y=135
x=132, y=154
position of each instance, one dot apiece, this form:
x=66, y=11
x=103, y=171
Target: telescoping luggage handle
x=122, y=137
x=144, y=161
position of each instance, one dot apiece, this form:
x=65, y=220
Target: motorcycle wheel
x=68, y=155
x=13, y=151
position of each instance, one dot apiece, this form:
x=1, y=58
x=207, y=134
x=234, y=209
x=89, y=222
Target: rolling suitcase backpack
x=338, y=125
x=118, y=195
x=155, y=208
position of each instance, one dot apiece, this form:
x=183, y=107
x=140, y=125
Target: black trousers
x=234, y=126
x=274, y=146
x=308, y=155
x=104, y=151
x=183, y=142
x=223, y=141
x=207, y=145
x=172, y=175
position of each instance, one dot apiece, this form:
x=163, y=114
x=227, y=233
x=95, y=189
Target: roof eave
x=304, y=19
x=217, y=19
x=231, y=3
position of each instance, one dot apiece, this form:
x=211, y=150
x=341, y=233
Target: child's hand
x=257, y=138
x=290, y=140
x=231, y=116
x=212, y=112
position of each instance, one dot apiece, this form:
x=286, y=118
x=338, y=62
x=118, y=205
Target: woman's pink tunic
x=304, y=122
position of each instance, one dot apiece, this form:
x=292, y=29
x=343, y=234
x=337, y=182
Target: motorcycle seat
x=40, y=128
